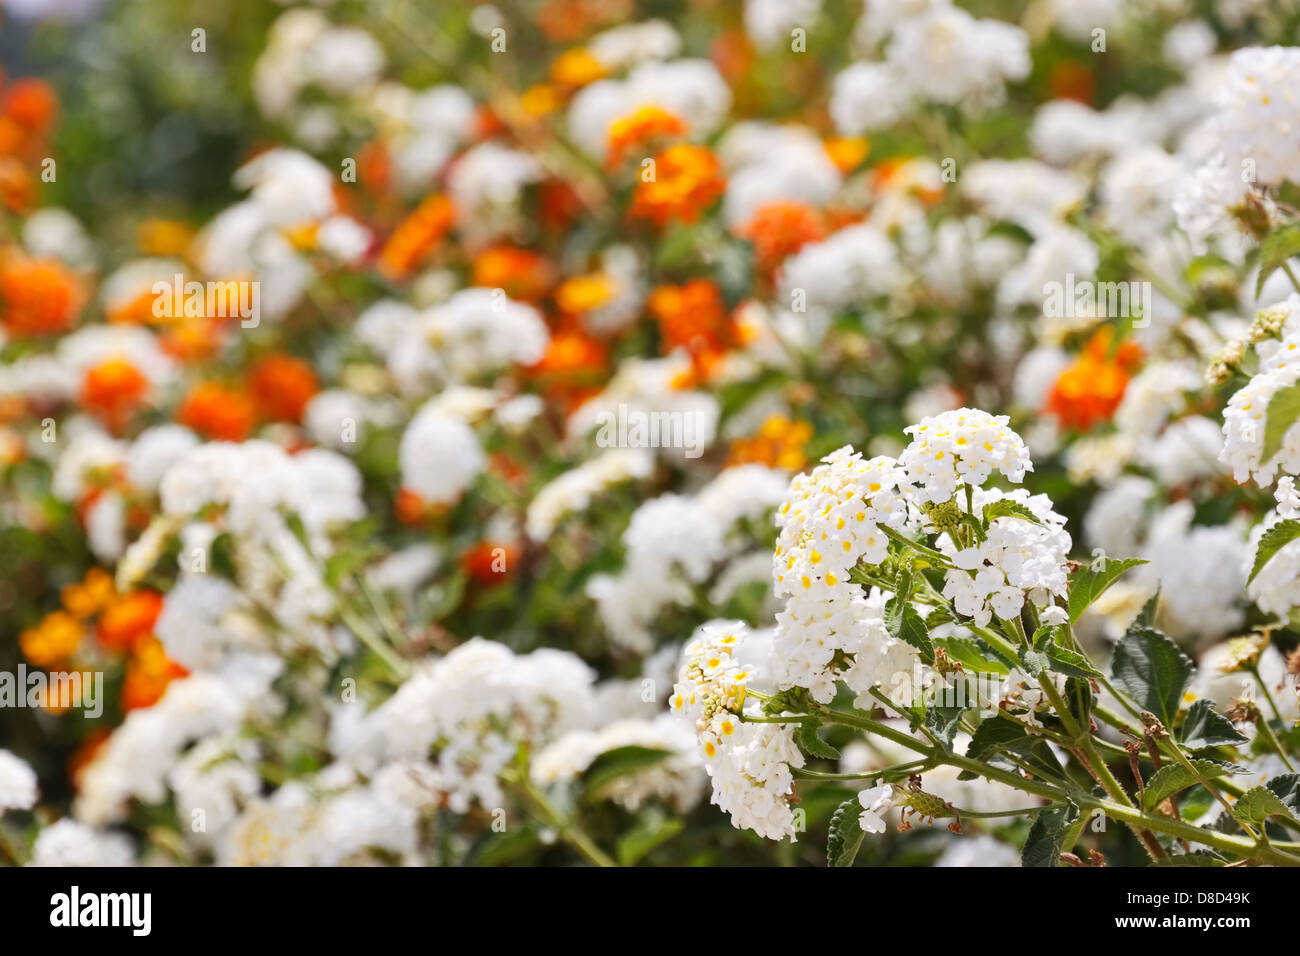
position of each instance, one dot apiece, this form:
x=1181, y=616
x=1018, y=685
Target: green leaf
x=1287, y=787
x=1258, y=804
x=1283, y=410
x=1043, y=845
x=618, y=762
x=812, y=744
x=1035, y=662
x=1271, y=542
x=1151, y=669
x=1068, y=662
x=1174, y=777
x=1091, y=580
x=1275, y=249
x=969, y=655
x=904, y=623
x=498, y=849
x=996, y=734
x=1080, y=699
x=943, y=722
x=654, y=829
x=845, y=836
x=1042, y=635
x=1007, y=508
x=1205, y=727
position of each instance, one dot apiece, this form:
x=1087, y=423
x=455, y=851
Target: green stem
x=935, y=556
x=569, y=831
x=399, y=668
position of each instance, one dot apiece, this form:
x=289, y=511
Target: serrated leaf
x=1271, y=542
x=845, y=834
x=1091, y=580
x=1275, y=249
x=904, y=623
x=812, y=744
x=1035, y=662
x=1287, y=788
x=1172, y=778
x=1043, y=845
x=1258, y=804
x=1007, y=508
x=1151, y=669
x=1283, y=410
x=1062, y=660
x=1042, y=635
x=1205, y=727
x=619, y=762
x=943, y=722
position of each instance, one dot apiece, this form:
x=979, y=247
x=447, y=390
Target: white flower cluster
x=1246, y=415
x=17, y=783
x=470, y=710
x=474, y=333
x=1018, y=558
x=673, y=543
x=1276, y=589
x=677, y=779
x=439, y=456
x=966, y=445
x=829, y=522
x=748, y=763
x=941, y=54
x=572, y=491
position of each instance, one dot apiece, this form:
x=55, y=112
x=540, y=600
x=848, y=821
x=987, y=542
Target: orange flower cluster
x=278, y=388
x=488, y=562
x=637, y=131
x=780, y=229
x=525, y=276
x=218, y=412
x=123, y=623
x=281, y=386
x=692, y=317
x=686, y=180
x=113, y=389
x=27, y=110
x=1089, y=391
x=416, y=236
x=779, y=443
x=37, y=296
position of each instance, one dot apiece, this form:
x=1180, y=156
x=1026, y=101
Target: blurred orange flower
x=525, y=276
x=215, y=411
x=638, y=131
x=37, y=296
x=780, y=229
x=1090, y=390
x=281, y=386
x=53, y=641
x=686, y=180
x=127, y=619
x=415, y=237
x=148, y=672
x=779, y=443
